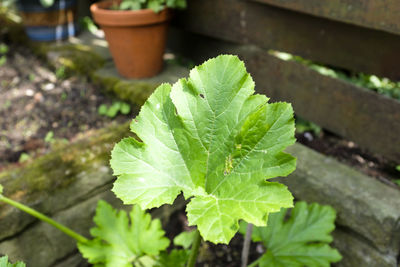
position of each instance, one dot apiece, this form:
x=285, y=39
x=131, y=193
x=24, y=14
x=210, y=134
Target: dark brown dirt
x=351, y=154
x=36, y=101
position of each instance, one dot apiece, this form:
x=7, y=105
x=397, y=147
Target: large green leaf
x=117, y=243
x=212, y=139
x=302, y=240
x=4, y=263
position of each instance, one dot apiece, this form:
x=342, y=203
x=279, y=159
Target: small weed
x=112, y=111
x=307, y=126
x=3, y=60
x=88, y=24
x=3, y=49
x=32, y=77
x=7, y=104
x=24, y=157
x=60, y=72
x=49, y=138
x=63, y=96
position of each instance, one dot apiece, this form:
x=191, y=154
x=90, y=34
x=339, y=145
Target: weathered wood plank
x=376, y=14
x=321, y=40
x=365, y=117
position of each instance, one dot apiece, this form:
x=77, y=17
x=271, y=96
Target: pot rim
x=142, y=17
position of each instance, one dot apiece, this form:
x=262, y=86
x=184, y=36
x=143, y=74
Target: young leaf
x=211, y=138
x=4, y=263
x=176, y=258
x=302, y=240
x=185, y=239
x=125, y=108
x=118, y=244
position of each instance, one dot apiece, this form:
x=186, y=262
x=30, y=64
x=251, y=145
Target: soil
x=351, y=154
x=36, y=101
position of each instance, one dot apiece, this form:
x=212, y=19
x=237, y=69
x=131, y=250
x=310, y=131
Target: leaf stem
x=246, y=245
x=194, y=250
x=41, y=216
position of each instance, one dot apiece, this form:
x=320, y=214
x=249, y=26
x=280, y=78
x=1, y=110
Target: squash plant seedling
x=212, y=139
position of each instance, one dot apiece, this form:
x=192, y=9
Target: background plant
x=5, y=263
x=298, y=241
x=155, y=5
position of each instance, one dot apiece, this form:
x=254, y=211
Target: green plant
x=114, y=109
x=3, y=51
x=46, y=3
x=300, y=241
x=49, y=138
x=211, y=138
x=120, y=243
x=380, y=85
x=155, y=5
x=4, y=263
x=307, y=126
x=117, y=242
x=88, y=24
x=24, y=157
x=61, y=72
x=215, y=142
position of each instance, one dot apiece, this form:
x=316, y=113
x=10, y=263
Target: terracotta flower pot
x=136, y=38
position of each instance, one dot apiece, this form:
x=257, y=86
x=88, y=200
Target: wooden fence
x=362, y=36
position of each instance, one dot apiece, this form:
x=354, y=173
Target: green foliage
x=24, y=157
x=397, y=181
x=88, y=24
x=307, y=126
x=1, y=189
x=302, y=240
x=112, y=111
x=398, y=168
x=49, y=138
x=155, y=5
x=118, y=243
x=3, y=51
x=211, y=138
x=4, y=260
x=380, y=85
x=61, y=72
x=176, y=258
x=185, y=239
x=46, y=3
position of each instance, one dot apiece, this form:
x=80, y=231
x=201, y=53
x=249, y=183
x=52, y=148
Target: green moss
x=76, y=58
x=134, y=92
x=60, y=168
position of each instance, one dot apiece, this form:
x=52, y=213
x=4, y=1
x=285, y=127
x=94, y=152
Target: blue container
x=53, y=23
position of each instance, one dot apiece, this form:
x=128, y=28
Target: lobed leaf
x=176, y=258
x=209, y=137
x=5, y=263
x=302, y=240
x=185, y=239
x=117, y=243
